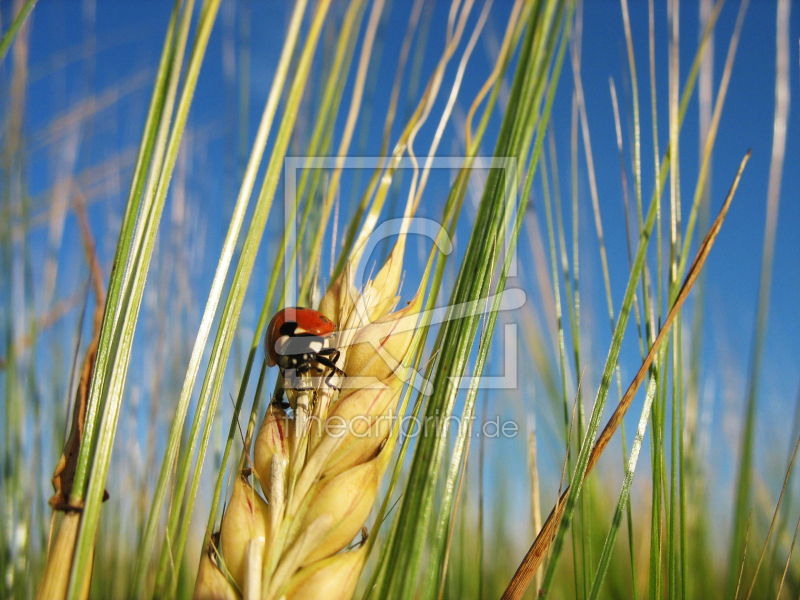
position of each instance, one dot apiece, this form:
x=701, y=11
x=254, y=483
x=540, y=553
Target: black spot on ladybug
x=288, y=328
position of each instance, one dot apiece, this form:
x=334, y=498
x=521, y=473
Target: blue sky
x=74, y=56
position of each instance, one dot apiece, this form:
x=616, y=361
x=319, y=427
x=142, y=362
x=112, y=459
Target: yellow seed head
x=322, y=467
x=381, y=293
x=333, y=578
x=379, y=348
x=361, y=423
x=348, y=499
x=273, y=439
x=246, y=517
x=211, y=584
x=337, y=303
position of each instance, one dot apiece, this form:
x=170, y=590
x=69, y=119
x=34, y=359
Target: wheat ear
x=319, y=462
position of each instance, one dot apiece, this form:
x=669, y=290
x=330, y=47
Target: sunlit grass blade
x=774, y=519
x=484, y=345
x=11, y=32
x=154, y=118
x=450, y=216
x=590, y=454
x=693, y=488
x=624, y=496
x=320, y=139
x=743, y=560
x=626, y=204
x=459, y=330
x=248, y=182
x=131, y=300
x=209, y=395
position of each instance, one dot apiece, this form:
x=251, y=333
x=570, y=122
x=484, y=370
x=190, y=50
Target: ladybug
x=302, y=339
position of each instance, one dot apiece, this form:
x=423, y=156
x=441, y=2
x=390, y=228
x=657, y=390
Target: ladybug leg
x=330, y=362
x=280, y=399
x=332, y=354
x=328, y=358
x=330, y=383
x=326, y=362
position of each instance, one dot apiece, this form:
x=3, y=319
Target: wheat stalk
x=320, y=460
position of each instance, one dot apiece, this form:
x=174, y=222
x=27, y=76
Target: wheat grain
x=319, y=462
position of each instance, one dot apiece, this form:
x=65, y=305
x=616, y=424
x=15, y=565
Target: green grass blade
x=129, y=310
x=11, y=32
x=450, y=218
x=555, y=527
x=605, y=383
x=481, y=253
x=491, y=321
x=319, y=139
x=624, y=496
x=744, y=476
x=174, y=438
x=209, y=394
x=124, y=241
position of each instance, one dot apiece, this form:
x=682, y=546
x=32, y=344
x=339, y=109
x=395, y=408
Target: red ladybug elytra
x=301, y=338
